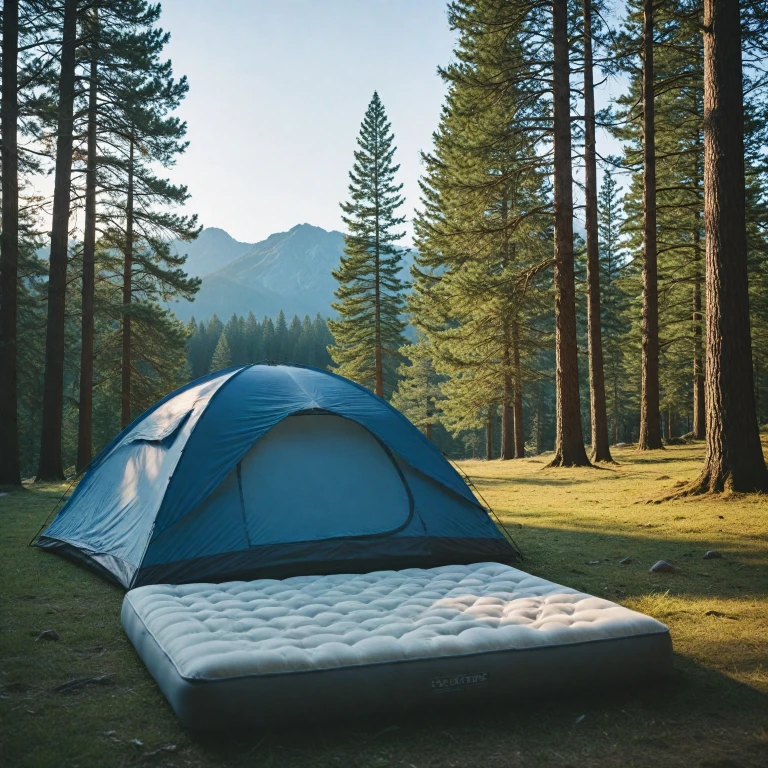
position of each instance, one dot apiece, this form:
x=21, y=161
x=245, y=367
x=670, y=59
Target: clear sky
x=278, y=89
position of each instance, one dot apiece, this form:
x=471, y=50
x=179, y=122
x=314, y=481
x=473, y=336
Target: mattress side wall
x=461, y=681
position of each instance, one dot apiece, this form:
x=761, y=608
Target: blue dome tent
x=270, y=471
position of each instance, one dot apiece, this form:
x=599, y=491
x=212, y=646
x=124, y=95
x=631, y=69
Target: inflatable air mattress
x=246, y=654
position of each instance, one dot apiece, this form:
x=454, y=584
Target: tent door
x=321, y=476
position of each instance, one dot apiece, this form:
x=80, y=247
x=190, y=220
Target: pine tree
x=234, y=330
x=569, y=445
x=418, y=396
x=137, y=139
x=294, y=333
x=222, y=357
x=50, y=465
x=305, y=342
x=253, y=344
x=614, y=303
x=479, y=233
x=281, y=342
x=269, y=350
x=369, y=332
x=650, y=433
x=323, y=339
x=734, y=458
x=10, y=468
x=598, y=415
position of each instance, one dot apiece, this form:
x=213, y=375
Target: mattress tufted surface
x=308, y=623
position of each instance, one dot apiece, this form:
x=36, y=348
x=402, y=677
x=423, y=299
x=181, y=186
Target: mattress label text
x=456, y=682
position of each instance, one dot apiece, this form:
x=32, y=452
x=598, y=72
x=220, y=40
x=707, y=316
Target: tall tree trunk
x=699, y=413
x=85, y=411
x=650, y=430
x=429, y=431
x=569, y=442
x=539, y=436
x=127, y=296
x=507, y=416
x=519, y=434
x=50, y=466
x=598, y=410
x=10, y=470
x=734, y=458
x=757, y=389
x=379, y=381
x=489, y=435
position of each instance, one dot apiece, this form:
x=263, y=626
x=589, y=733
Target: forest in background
x=514, y=335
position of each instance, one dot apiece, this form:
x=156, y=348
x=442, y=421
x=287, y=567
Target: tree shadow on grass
x=560, y=553
x=659, y=457
x=529, y=480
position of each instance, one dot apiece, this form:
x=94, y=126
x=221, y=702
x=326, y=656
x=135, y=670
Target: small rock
x=580, y=719
x=593, y=562
x=721, y=517
x=49, y=634
x=625, y=561
x=662, y=567
x=110, y=733
x=136, y=742
x=663, y=477
x=712, y=554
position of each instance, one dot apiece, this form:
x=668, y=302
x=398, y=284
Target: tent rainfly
x=268, y=471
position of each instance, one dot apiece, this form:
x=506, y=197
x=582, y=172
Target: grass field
x=573, y=527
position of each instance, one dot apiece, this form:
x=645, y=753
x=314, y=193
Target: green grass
x=713, y=712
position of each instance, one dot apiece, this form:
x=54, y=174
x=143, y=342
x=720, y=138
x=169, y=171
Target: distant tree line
x=212, y=345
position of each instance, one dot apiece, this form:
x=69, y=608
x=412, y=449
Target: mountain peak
x=289, y=271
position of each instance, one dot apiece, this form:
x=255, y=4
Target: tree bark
x=650, y=430
x=539, y=437
x=127, y=296
x=569, y=442
x=489, y=435
x=598, y=410
x=757, y=389
x=85, y=411
x=50, y=466
x=10, y=470
x=734, y=459
x=507, y=416
x=429, y=431
x=519, y=434
x=699, y=413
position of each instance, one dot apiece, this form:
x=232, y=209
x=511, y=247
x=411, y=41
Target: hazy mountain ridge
x=213, y=249
x=289, y=271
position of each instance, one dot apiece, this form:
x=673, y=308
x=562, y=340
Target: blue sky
x=278, y=89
